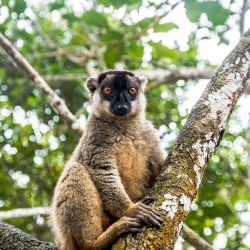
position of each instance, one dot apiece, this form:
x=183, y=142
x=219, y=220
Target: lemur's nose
x=122, y=109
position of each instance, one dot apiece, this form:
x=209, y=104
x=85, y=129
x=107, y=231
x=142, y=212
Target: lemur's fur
x=100, y=193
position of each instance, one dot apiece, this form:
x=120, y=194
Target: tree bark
x=13, y=238
x=178, y=183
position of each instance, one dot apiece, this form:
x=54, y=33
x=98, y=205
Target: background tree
x=65, y=41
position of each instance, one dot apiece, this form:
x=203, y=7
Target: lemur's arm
x=108, y=182
x=115, y=199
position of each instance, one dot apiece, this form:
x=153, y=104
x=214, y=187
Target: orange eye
x=132, y=91
x=107, y=91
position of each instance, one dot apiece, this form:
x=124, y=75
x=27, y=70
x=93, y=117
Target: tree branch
x=57, y=103
x=178, y=183
x=158, y=76
x=187, y=233
x=13, y=238
x=194, y=239
x=161, y=76
x=24, y=212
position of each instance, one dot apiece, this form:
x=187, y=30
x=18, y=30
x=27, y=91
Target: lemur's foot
x=128, y=225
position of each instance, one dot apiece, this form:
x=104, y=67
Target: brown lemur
x=101, y=193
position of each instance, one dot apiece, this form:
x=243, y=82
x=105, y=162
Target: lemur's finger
x=147, y=200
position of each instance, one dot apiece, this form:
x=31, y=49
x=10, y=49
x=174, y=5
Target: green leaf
x=94, y=18
x=145, y=22
x=215, y=12
x=5, y=2
x=193, y=10
x=119, y=3
x=160, y=50
x=213, y=9
x=19, y=6
x=112, y=36
x=135, y=50
x=165, y=27
x=57, y=5
x=113, y=54
x=105, y=2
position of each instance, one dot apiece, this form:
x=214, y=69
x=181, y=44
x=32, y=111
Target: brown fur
x=114, y=164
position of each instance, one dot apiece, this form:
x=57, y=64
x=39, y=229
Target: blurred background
x=66, y=41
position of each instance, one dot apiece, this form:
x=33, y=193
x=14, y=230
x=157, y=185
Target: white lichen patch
x=247, y=55
x=203, y=150
x=237, y=60
x=198, y=175
x=170, y=205
x=180, y=227
x=209, y=136
x=220, y=101
x=186, y=202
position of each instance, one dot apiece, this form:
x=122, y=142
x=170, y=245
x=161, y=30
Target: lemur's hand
x=147, y=200
x=145, y=213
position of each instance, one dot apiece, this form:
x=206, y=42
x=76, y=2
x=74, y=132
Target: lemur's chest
x=132, y=156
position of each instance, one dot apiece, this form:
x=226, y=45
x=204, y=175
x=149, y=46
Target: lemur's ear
x=92, y=83
x=143, y=81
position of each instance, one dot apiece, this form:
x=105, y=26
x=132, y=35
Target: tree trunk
x=178, y=183
x=184, y=167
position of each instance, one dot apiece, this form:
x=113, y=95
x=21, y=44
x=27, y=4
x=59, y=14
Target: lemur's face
x=117, y=93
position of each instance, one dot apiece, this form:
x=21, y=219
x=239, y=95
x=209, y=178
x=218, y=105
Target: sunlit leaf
x=160, y=50
x=215, y=12
x=19, y=6
x=94, y=18
x=193, y=10
x=135, y=50
x=112, y=36
x=165, y=27
x=113, y=54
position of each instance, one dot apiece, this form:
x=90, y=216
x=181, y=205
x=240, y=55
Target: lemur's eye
x=132, y=91
x=107, y=91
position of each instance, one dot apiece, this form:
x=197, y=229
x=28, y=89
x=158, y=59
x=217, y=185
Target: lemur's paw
x=146, y=214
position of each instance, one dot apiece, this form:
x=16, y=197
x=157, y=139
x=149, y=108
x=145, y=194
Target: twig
x=244, y=9
x=160, y=76
x=143, y=31
x=194, y=239
x=24, y=212
x=57, y=103
x=48, y=42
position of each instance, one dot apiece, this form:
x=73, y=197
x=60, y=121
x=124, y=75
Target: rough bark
x=13, y=238
x=57, y=103
x=184, y=167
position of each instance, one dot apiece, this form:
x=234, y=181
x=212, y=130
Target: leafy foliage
x=64, y=42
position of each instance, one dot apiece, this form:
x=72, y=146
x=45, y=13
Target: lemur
x=102, y=191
